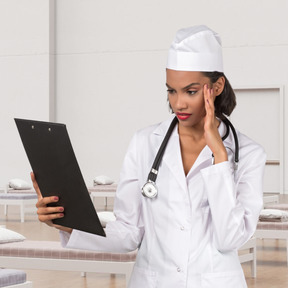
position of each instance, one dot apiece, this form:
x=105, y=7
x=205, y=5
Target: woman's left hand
x=212, y=136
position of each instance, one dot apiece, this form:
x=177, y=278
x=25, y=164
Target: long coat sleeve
x=189, y=234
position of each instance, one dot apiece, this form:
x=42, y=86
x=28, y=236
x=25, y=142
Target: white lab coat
x=189, y=234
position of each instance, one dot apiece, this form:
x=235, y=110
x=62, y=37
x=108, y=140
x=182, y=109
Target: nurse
x=188, y=235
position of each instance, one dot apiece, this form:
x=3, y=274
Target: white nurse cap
x=196, y=48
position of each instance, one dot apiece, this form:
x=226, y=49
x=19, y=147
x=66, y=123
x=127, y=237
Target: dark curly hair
x=226, y=101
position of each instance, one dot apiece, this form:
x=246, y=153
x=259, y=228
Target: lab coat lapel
x=172, y=156
x=173, y=159
x=203, y=160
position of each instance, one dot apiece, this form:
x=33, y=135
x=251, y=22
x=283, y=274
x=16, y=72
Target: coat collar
x=162, y=128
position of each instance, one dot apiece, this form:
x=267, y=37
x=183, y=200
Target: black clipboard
x=51, y=156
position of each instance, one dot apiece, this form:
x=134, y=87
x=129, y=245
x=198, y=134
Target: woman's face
x=186, y=97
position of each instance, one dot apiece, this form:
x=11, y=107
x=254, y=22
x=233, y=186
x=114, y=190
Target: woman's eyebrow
x=168, y=86
x=186, y=87
x=190, y=85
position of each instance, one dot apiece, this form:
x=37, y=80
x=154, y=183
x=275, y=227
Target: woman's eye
x=191, y=92
x=170, y=91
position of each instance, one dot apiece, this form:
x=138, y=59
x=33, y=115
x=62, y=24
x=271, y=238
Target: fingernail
x=61, y=215
x=56, y=198
x=61, y=209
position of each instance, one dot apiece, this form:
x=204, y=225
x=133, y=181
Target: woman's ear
x=219, y=86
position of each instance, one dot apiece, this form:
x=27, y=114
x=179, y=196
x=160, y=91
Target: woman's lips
x=183, y=116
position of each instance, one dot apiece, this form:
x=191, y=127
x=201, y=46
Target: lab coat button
x=178, y=269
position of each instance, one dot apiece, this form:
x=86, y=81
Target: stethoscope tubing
x=236, y=141
x=155, y=167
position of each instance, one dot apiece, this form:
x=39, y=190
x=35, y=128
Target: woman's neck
x=196, y=132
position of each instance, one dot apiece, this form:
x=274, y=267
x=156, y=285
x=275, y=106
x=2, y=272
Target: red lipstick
x=183, y=116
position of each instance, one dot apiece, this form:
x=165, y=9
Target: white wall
x=110, y=65
x=24, y=78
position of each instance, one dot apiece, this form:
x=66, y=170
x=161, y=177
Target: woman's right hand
x=47, y=214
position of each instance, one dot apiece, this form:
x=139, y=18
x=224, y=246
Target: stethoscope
x=150, y=189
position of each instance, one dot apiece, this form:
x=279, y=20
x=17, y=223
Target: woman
x=187, y=235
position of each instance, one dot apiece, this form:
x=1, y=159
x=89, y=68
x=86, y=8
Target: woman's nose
x=180, y=102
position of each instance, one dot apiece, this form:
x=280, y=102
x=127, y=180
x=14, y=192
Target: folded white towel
x=19, y=184
x=273, y=215
x=102, y=180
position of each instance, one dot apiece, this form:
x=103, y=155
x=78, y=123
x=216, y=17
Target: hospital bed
x=25, y=201
x=274, y=230
x=102, y=191
x=270, y=199
x=49, y=255
x=11, y=278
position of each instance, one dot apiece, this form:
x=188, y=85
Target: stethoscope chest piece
x=149, y=190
